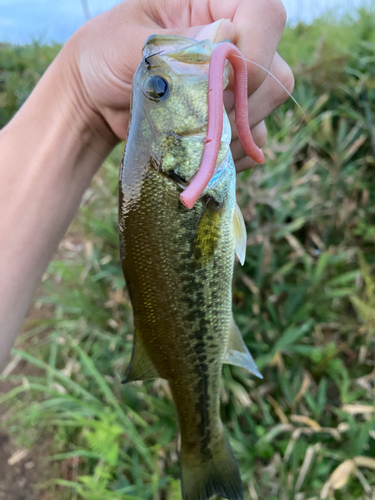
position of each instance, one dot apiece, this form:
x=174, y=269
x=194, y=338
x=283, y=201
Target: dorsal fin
x=140, y=366
x=239, y=234
x=237, y=353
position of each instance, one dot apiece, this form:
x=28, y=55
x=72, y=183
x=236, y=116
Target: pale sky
x=21, y=21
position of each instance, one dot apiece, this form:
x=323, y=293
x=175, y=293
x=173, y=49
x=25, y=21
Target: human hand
x=105, y=53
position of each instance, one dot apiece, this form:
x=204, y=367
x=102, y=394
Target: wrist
x=50, y=151
x=76, y=107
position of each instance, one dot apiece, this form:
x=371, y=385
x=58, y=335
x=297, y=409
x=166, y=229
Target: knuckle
x=260, y=134
x=289, y=81
x=287, y=77
x=277, y=13
x=283, y=72
x=244, y=164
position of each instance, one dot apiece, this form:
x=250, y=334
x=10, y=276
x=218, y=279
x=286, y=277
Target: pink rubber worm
x=212, y=141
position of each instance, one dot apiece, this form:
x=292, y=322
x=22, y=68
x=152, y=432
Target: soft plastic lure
x=222, y=52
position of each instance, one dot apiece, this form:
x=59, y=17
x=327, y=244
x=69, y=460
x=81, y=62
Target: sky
x=48, y=21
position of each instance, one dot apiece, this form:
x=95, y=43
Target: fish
x=178, y=261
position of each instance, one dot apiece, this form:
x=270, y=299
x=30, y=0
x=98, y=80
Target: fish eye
x=156, y=87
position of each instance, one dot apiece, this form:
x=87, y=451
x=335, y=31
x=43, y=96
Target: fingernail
x=210, y=31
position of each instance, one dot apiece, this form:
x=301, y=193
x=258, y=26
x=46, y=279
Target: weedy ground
x=304, y=300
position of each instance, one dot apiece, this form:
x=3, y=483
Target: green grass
x=304, y=301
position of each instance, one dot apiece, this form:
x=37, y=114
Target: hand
x=106, y=51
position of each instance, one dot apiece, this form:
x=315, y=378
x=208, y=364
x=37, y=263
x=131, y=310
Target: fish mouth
x=181, y=49
x=183, y=55
x=168, y=43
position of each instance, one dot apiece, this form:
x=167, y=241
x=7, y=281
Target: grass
x=304, y=301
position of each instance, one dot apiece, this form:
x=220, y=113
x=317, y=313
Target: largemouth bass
x=178, y=262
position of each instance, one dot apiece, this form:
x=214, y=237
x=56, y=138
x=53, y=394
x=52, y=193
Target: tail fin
x=203, y=477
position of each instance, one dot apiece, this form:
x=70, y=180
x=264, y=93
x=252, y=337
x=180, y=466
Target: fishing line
x=277, y=80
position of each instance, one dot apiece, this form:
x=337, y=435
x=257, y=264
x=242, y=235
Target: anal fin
x=237, y=353
x=141, y=366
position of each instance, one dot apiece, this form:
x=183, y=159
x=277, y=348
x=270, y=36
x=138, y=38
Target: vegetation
x=304, y=300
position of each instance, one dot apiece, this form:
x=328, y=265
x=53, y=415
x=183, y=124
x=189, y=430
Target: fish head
x=176, y=69
x=169, y=105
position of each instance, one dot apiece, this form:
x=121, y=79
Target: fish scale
x=196, y=292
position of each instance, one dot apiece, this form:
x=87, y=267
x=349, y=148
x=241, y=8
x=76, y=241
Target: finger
x=220, y=30
x=243, y=162
x=256, y=38
x=269, y=96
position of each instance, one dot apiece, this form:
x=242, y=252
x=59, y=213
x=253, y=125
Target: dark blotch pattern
x=203, y=292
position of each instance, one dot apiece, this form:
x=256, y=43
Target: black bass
x=178, y=262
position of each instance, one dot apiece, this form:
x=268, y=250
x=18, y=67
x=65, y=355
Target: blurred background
x=304, y=300
x=22, y=21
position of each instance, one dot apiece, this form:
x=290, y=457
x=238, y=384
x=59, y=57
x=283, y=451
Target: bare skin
x=79, y=110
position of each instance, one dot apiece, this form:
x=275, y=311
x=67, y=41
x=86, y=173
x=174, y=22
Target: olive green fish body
x=178, y=263
x=182, y=306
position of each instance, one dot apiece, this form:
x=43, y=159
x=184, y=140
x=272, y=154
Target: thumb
x=216, y=32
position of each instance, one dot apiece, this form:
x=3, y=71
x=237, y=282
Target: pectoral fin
x=141, y=366
x=207, y=234
x=237, y=353
x=239, y=233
